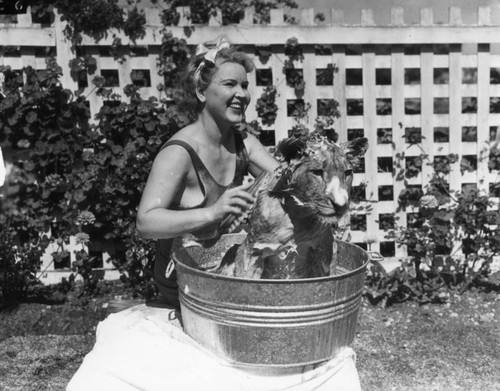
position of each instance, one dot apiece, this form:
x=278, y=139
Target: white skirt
x=144, y=348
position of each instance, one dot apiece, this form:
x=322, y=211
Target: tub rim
x=204, y=273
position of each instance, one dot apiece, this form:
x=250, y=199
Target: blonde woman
x=196, y=178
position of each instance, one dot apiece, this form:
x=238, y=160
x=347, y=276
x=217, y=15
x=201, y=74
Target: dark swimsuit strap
x=204, y=176
x=241, y=168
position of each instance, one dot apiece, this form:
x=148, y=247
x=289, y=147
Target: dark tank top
x=165, y=277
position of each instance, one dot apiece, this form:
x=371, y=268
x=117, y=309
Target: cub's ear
x=356, y=148
x=292, y=148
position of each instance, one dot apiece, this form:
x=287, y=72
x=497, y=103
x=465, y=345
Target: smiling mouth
x=236, y=107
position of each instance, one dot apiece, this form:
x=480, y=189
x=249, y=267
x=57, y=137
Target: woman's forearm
x=165, y=223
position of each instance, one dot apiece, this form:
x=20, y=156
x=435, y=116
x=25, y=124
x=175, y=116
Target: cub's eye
x=318, y=172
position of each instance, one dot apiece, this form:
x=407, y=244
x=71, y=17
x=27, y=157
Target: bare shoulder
x=175, y=157
x=189, y=135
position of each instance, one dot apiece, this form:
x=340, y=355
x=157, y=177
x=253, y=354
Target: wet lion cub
x=290, y=228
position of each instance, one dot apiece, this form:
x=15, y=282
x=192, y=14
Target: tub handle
x=170, y=269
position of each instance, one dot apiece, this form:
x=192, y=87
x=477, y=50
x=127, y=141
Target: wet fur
x=291, y=227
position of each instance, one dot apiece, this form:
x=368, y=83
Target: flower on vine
x=85, y=218
x=82, y=238
x=428, y=202
x=54, y=180
x=23, y=143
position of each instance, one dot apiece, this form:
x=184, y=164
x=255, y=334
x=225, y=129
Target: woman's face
x=227, y=96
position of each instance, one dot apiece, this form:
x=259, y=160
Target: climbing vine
x=294, y=76
x=94, y=18
x=266, y=106
x=232, y=11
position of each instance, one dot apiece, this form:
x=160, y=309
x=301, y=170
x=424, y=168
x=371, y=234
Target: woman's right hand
x=236, y=201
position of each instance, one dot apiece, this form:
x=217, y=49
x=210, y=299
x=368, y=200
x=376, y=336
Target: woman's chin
x=236, y=118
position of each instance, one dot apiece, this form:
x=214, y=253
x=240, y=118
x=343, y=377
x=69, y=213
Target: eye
x=318, y=172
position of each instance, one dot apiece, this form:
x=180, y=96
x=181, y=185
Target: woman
x=196, y=178
x=195, y=182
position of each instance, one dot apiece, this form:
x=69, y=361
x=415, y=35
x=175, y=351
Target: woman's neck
x=215, y=133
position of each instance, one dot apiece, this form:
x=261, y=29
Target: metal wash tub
x=281, y=323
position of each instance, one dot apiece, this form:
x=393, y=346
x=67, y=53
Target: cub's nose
x=337, y=192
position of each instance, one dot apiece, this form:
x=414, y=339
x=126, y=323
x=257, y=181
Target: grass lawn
x=454, y=346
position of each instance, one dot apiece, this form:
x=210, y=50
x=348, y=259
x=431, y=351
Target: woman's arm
x=260, y=159
x=168, y=177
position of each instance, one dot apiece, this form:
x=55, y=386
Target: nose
x=242, y=93
x=337, y=192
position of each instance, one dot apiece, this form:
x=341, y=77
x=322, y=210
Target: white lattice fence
x=440, y=82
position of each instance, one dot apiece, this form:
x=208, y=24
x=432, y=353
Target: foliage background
x=79, y=176
x=83, y=177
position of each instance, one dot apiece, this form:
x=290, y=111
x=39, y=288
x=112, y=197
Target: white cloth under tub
x=144, y=348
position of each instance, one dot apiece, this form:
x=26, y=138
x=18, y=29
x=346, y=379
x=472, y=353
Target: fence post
x=455, y=113
x=484, y=16
x=248, y=18
x=276, y=62
x=339, y=90
x=277, y=17
x=426, y=17
x=153, y=16
x=309, y=69
x=397, y=16
x=64, y=52
x=483, y=110
x=95, y=101
x=367, y=17
x=307, y=17
x=216, y=20
x=251, y=111
x=337, y=17
x=339, y=78
x=24, y=20
x=185, y=15
x=455, y=16
x=370, y=126
x=309, y=72
x=427, y=110
x=398, y=120
x=154, y=66
x=483, y=103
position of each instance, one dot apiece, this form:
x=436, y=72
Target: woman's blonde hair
x=199, y=75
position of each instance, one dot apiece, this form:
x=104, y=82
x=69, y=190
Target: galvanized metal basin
x=282, y=323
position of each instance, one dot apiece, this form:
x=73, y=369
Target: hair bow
x=211, y=48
